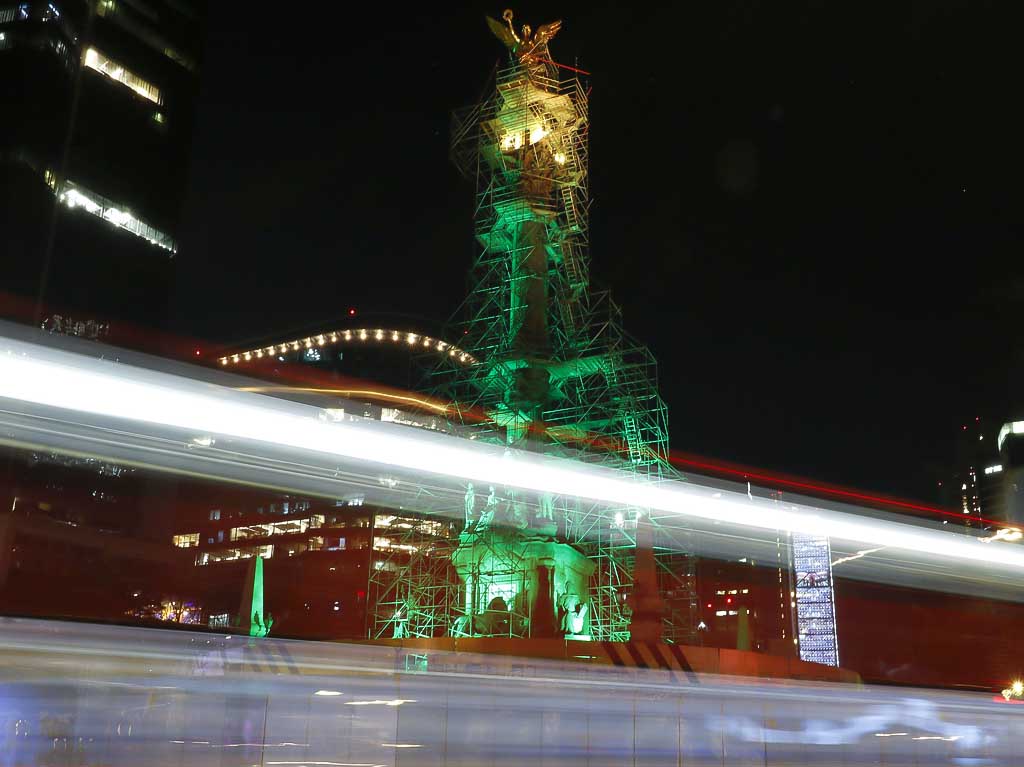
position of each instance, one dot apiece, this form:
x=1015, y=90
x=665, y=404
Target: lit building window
x=186, y=541
x=720, y=613
x=215, y=514
x=6, y=15
x=386, y=544
x=219, y=620
x=97, y=61
x=276, y=528
x=994, y=469
x=423, y=526
x=231, y=555
x=74, y=196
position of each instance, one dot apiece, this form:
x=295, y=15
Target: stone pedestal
x=518, y=585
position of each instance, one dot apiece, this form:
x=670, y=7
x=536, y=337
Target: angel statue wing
x=545, y=32
x=504, y=33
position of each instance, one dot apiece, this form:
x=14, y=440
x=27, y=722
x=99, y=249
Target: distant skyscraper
x=1011, y=470
x=977, y=481
x=98, y=100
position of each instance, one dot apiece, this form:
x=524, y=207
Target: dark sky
x=810, y=211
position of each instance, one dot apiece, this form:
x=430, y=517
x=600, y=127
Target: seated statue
x=574, y=614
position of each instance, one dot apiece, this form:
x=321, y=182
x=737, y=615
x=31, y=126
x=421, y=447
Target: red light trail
x=760, y=476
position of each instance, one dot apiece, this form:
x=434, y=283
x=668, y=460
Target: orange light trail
x=407, y=399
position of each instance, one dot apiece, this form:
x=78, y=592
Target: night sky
x=809, y=211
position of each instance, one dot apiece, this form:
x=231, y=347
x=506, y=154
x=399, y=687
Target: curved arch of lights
x=359, y=336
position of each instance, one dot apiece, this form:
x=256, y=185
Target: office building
x=98, y=99
x=1010, y=442
x=975, y=487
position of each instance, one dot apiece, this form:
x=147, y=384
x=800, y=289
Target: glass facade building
x=99, y=101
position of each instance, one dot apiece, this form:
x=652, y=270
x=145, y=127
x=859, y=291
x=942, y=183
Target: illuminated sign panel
x=815, y=603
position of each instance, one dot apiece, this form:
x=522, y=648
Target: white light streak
x=50, y=377
x=331, y=764
x=858, y=555
x=1008, y=534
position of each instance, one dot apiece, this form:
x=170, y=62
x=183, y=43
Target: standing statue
x=547, y=507
x=490, y=509
x=517, y=517
x=470, y=505
x=259, y=627
x=528, y=44
x=401, y=627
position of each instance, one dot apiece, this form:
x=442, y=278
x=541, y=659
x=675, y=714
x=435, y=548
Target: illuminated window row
x=76, y=197
x=316, y=543
x=23, y=12
x=426, y=527
x=116, y=72
x=386, y=544
x=143, y=32
x=186, y=541
x=231, y=555
x=361, y=335
x=276, y=528
x=721, y=592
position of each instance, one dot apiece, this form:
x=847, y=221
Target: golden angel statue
x=527, y=43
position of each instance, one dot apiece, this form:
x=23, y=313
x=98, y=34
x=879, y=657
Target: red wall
x=890, y=634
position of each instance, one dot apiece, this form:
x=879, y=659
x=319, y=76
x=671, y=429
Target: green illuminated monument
x=252, y=615
x=554, y=371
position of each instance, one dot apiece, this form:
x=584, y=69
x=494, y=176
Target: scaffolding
x=411, y=575
x=553, y=369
